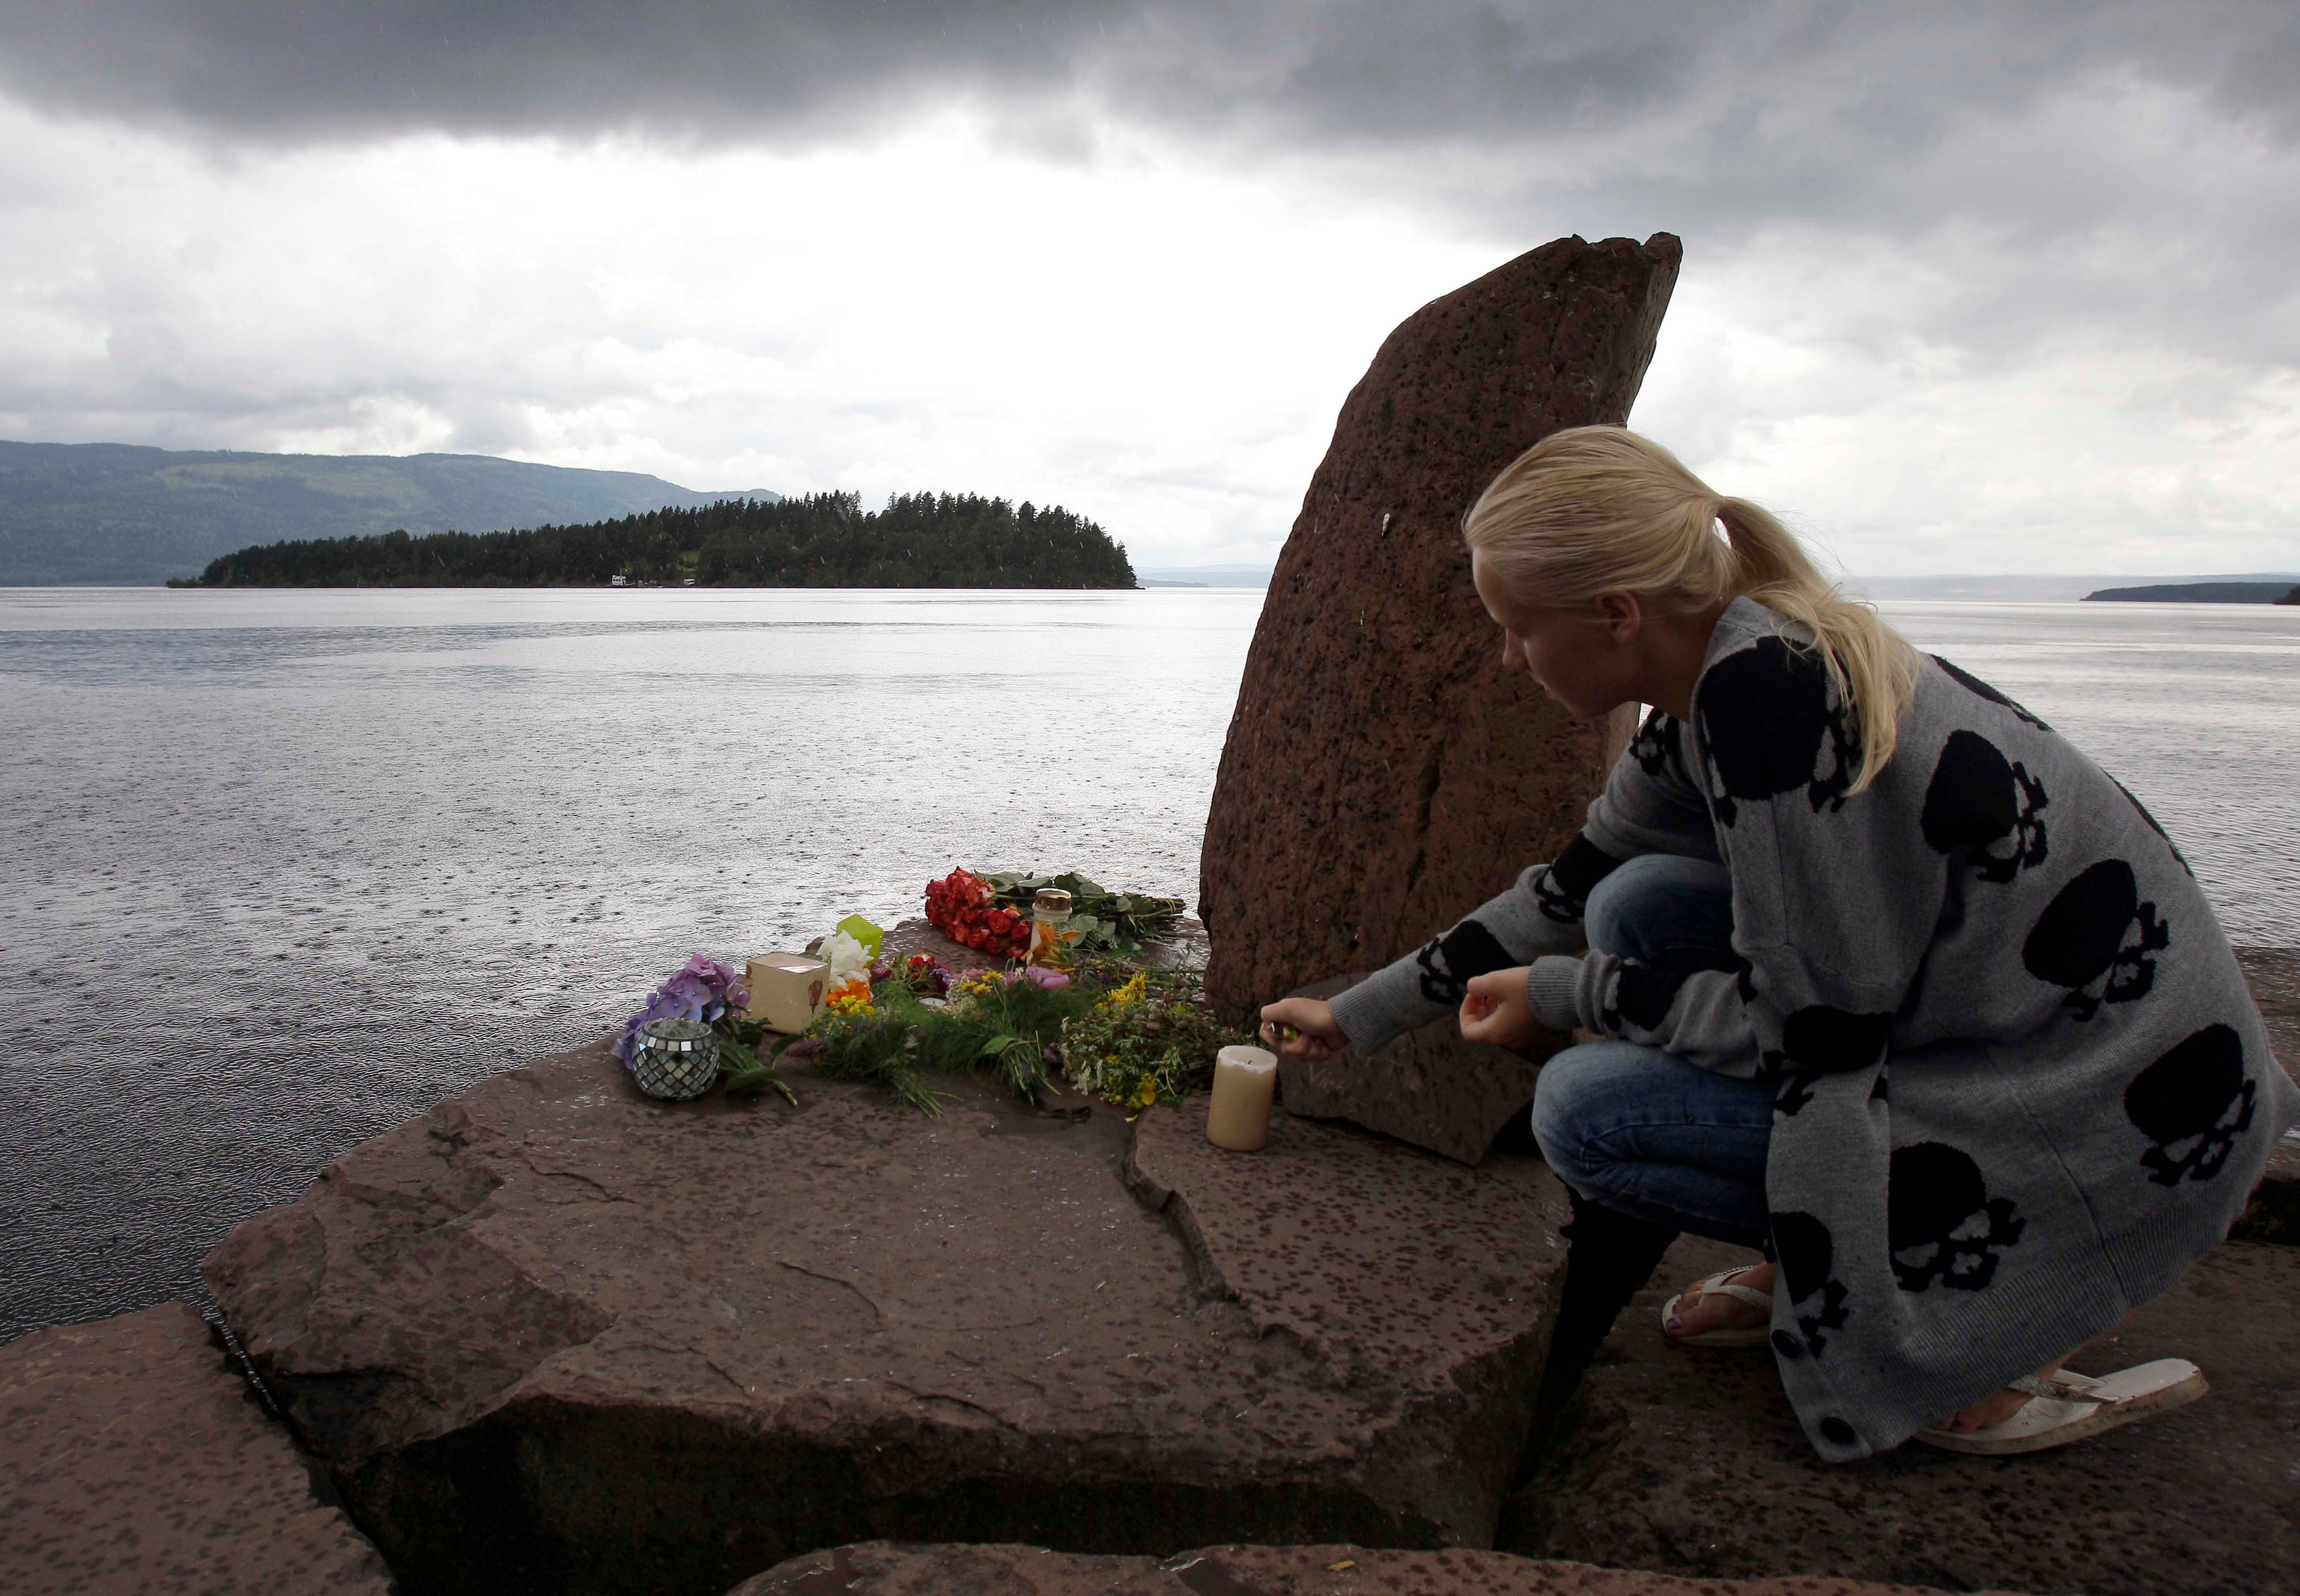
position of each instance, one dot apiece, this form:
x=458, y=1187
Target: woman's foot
x=1701, y=1309
x=1996, y=1408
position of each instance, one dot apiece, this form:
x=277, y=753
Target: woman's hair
x=1594, y=508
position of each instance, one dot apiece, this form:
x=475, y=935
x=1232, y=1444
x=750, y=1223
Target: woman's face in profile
x=1571, y=653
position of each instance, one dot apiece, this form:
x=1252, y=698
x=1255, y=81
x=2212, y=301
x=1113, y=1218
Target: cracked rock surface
x=134, y=1458
x=883, y=1570
x=555, y=1336
x=1687, y=1460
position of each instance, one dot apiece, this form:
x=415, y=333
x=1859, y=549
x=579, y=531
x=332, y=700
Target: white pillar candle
x=1238, y=1117
x=786, y=991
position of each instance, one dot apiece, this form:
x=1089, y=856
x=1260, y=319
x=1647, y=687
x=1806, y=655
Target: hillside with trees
x=824, y=540
x=101, y=513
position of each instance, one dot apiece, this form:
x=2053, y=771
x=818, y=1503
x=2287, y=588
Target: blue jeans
x=1640, y=1130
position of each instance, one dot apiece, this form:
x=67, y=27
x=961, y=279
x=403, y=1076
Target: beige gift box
x=786, y=991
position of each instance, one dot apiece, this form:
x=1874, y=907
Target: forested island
x=2200, y=593
x=823, y=540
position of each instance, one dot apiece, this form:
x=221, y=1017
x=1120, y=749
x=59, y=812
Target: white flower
x=847, y=958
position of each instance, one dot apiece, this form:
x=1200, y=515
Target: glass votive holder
x=675, y=1059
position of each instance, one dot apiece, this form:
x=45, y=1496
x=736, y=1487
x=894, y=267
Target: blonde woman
x=1896, y=984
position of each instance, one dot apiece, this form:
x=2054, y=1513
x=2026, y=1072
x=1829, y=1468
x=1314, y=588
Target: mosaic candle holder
x=675, y=1059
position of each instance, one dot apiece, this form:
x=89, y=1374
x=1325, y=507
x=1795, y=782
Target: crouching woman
x=1895, y=983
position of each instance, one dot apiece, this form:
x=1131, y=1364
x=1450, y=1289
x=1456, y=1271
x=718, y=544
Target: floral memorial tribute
x=1129, y=1035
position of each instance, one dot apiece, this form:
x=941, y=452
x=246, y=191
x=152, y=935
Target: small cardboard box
x=786, y=991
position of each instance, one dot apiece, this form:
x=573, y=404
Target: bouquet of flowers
x=990, y=913
x=921, y=1017
x=963, y=906
x=1143, y=1044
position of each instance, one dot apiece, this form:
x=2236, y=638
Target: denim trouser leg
x=1638, y=1129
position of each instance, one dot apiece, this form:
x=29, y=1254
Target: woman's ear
x=1621, y=613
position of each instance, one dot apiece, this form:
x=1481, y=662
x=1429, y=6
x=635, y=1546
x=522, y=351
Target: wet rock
x=1688, y=1461
x=2273, y=1214
x=1326, y=1238
x=1383, y=774
x=133, y=1459
x=557, y=1336
x=880, y=1569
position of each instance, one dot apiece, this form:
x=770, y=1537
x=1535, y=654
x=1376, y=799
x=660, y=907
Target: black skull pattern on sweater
x=2080, y=1087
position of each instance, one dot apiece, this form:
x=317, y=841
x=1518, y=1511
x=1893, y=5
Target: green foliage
x=741, y=1070
x=989, y=1027
x=1101, y=921
x=1150, y=1040
x=824, y=540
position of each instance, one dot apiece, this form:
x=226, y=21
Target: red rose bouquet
x=963, y=906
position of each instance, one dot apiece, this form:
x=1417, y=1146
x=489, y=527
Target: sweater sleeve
x=1835, y=896
x=1540, y=914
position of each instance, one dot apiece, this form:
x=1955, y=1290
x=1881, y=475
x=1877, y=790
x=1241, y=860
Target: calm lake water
x=282, y=869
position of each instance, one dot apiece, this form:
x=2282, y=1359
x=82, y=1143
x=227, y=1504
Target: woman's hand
x=1497, y=1011
x=1301, y=1029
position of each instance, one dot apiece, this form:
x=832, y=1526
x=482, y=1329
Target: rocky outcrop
x=1688, y=1461
x=1383, y=774
x=2273, y=1214
x=556, y=1336
x=880, y=1569
x=133, y=1458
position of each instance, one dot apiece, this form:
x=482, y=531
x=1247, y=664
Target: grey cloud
x=1343, y=72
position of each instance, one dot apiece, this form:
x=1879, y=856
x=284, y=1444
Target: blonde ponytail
x=1592, y=509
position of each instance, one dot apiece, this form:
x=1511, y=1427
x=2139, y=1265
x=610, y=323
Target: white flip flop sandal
x=1731, y=1335
x=2066, y=1407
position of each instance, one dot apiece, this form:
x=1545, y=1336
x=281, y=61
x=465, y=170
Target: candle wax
x=1244, y=1078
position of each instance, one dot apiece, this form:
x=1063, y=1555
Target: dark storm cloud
x=1351, y=72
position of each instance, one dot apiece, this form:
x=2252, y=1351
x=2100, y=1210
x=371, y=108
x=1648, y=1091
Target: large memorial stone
x=555, y=1336
x=1689, y=1460
x=133, y=1459
x=1383, y=774
x=2273, y=1214
x=880, y=1569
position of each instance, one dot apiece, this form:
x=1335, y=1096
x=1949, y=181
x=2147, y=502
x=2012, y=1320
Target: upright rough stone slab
x=878, y=1569
x=2273, y=1214
x=1689, y=1460
x=133, y=1460
x=553, y=1336
x=1383, y=774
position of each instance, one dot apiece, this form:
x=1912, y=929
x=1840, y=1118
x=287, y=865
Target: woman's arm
x=1541, y=914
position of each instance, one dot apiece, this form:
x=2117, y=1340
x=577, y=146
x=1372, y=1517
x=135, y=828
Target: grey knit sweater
x=2019, y=1083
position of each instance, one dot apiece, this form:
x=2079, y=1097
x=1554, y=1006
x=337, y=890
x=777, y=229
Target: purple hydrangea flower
x=702, y=989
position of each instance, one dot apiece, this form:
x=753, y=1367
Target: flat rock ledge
x=133, y=1458
x=555, y=1336
x=878, y=1569
x=1688, y=1461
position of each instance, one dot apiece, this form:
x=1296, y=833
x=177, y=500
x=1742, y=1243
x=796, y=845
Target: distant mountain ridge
x=2199, y=593
x=106, y=514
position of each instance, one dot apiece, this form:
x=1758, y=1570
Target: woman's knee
x=1656, y=902
x=1567, y=1097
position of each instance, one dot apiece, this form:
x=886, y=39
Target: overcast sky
x=1967, y=287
